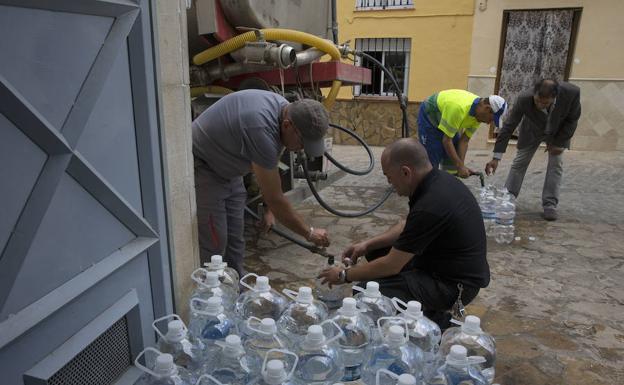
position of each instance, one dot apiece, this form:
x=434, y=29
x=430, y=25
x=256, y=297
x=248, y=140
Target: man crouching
x=438, y=254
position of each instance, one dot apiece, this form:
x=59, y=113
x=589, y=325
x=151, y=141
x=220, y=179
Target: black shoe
x=550, y=214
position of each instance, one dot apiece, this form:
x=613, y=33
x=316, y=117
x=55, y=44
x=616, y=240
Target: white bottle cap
x=414, y=309
x=267, y=325
x=165, y=366
x=262, y=284
x=349, y=307
x=472, y=325
x=305, y=295
x=275, y=373
x=233, y=346
x=216, y=259
x=396, y=334
x=214, y=305
x=315, y=335
x=457, y=356
x=372, y=289
x=176, y=331
x=406, y=379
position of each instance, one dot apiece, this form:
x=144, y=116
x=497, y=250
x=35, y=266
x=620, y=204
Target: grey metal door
x=84, y=265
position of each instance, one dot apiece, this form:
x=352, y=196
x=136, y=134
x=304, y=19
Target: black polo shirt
x=444, y=231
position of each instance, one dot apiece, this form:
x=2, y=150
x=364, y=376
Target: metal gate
x=84, y=264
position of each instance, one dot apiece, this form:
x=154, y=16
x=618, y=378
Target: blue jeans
x=431, y=137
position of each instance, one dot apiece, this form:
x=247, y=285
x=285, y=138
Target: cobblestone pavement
x=555, y=304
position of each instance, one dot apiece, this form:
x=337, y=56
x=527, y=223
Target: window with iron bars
x=394, y=54
x=383, y=4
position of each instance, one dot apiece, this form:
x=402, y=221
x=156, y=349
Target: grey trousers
x=552, y=181
x=220, y=216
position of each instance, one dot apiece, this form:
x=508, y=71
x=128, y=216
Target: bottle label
x=352, y=373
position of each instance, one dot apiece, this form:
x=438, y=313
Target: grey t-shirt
x=241, y=128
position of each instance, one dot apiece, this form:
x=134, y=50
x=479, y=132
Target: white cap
x=305, y=295
x=349, y=307
x=458, y=356
x=472, y=325
x=267, y=325
x=275, y=373
x=499, y=107
x=396, y=335
x=165, y=366
x=414, y=310
x=372, y=289
x=216, y=259
x=315, y=335
x=406, y=379
x=233, y=346
x=212, y=279
x=214, y=305
x=262, y=283
x=176, y=331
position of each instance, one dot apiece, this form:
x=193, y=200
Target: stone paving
x=555, y=304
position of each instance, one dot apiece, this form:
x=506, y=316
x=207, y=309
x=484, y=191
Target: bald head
x=407, y=152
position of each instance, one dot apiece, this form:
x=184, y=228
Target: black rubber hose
x=402, y=101
x=331, y=209
x=346, y=169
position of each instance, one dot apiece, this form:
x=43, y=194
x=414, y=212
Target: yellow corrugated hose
x=198, y=91
x=239, y=41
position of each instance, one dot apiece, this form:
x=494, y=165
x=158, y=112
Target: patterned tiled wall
x=601, y=126
x=378, y=122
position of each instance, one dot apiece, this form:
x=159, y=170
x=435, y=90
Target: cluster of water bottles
x=262, y=336
x=499, y=210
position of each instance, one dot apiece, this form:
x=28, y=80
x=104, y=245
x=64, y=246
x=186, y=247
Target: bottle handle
x=473, y=360
x=400, y=319
x=386, y=372
x=197, y=279
x=208, y=377
x=253, y=329
x=195, y=309
x=456, y=322
x=145, y=368
x=167, y=317
x=357, y=288
x=245, y=284
x=290, y=294
x=396, y=302
x=284, y=351
x=337, y=335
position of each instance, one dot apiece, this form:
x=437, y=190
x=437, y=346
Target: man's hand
x=268, y=221
x=319, y=237
x=354, y=252
x=491, y=166
x=330, y=276
x=554, y=150
x=464, y=172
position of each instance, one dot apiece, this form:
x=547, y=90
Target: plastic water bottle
x=274, y=372
x=320, y=359
x=186, y=353
x=227, y=275
x=459, y=369
x=209, y=321
x=230, y=365
x=209, y=285
x=260, y=301
x=487, y=202
x=207, y=379
x=355, y=326
x=395, y=354
x=372, y=302
x=264, y=337
x=403, y=379
x=423, y=332
x=475, y=340
x=331, y=297
x=504, y=218
x=163, y=372
x=303, y=312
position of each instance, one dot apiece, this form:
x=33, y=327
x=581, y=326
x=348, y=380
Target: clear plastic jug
x=187, y=353
x=300, y=314
x=320, y=359
x=227, y=275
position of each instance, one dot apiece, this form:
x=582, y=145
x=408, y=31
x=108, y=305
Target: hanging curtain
x=536, y=46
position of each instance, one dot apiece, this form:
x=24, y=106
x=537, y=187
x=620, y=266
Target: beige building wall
x=176, y=115
x=598, y=66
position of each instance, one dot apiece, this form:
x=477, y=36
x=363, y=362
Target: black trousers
x=435, y=294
